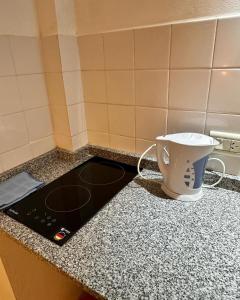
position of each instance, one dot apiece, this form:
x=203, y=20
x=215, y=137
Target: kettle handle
x=140, y=159
x=221, y=176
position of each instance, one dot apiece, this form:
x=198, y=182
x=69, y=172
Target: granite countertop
x=142, y=245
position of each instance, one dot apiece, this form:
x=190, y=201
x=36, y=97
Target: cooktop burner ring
x=119, y=167
x=79, y=205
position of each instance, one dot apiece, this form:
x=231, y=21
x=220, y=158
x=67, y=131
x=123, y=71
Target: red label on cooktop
x=61, y=234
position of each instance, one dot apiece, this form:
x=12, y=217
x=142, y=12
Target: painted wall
x=94, y=16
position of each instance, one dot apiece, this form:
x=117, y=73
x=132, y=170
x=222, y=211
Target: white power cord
x=140, y=159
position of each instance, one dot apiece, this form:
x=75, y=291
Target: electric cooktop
x=60, y=208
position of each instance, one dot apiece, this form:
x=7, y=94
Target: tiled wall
x=142, y=83
x=25, y=122
x=63, y=76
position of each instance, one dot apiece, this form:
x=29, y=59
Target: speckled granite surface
x=142, y=245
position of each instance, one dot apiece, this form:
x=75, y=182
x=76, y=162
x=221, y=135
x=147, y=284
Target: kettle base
x=181, y=197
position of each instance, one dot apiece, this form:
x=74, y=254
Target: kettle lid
x=189, y=139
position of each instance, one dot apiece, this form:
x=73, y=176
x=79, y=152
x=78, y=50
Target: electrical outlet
x=224, y=145
x=235, y=146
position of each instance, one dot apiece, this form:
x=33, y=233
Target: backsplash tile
x=151, y=88
x=96, y=117
x=186, y=121
x=120, y=87
x=6, y=62
x=32, y=90
x=119, y=49
x=91, y=52
x=150, y=122
x=152, y=47
x=9, y=95
x=122, y=120
x=225, y=91
x=26, y=54
x=188, y=89
x=122, y=143
x=227, y=47
x=192, y=44
x=98, y=138
x=73, y=87
x=38, y=123
x=69, y=53
x=94, y=86
x=13, y=132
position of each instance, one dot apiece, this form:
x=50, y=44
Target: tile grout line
x=169, y=78
x=134, y=78
x=106, y=90
x=211, y=74
x=164, y=108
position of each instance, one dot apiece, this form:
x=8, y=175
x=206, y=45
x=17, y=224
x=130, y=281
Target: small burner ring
x=103, y=173
x=67, y=198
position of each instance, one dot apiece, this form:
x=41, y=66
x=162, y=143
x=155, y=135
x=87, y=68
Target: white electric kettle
x=182, y=158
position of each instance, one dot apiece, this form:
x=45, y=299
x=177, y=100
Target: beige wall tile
x=121, y=120
x=76, y=117
x=227, y=47
x=26, y=54
x=225, y=91
x=69, y=53
x=55, y=88
x=39, y=123
x=73, y=87
x=118, y=49
x=185, y=121
x=142, y=145
x=151, y=88
x=33, y=91
x=16, y=157
x=13, y=132
x=122, y=143
x=6, y=61
x=189, y=89
x=152, y=48
x=120, y=87
x=96, y=117
x=91, y=52
x=63, y=141
x=60, y=121
x=192, y=44
x=79, y=140
x=98, y=138
x=51, y=54
x=94, y=86
x=150, y=122
x=9, y=95
x=222, y=122
x=42, y=146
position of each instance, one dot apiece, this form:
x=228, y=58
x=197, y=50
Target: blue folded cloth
x=16, y=188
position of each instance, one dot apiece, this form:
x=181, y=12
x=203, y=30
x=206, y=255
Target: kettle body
x=182, y=158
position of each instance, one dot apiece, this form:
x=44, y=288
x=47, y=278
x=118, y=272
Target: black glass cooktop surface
x=60, y=208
